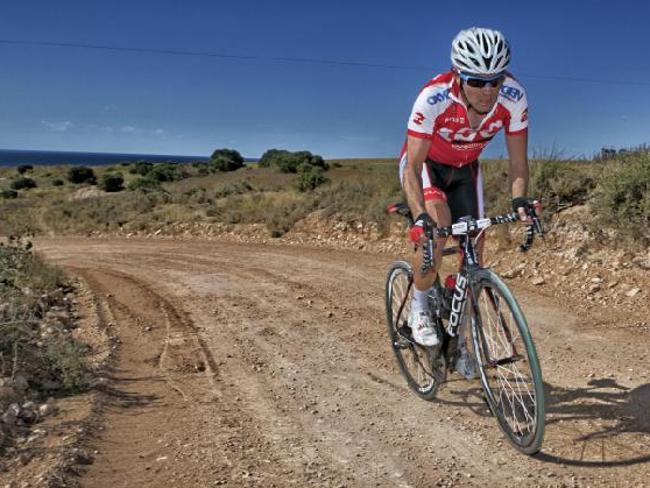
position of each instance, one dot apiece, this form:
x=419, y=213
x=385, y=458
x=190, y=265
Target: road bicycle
x=476, y=302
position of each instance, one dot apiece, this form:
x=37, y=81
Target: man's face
x=480, y=94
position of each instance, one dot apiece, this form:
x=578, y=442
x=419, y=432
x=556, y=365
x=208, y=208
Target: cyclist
x=454, y=117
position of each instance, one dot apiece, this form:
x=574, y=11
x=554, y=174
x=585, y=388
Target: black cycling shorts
x=461, y=188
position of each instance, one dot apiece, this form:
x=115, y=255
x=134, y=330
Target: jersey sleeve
x=515, y=101
x=428, y=105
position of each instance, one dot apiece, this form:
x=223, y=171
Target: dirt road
x=270, y=366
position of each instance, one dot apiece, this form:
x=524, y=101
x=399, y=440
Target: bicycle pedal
x=404, y=338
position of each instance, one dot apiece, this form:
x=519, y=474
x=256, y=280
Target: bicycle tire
x=419, y=365
x=504, y=348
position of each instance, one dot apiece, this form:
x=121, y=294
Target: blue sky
x=584, y=64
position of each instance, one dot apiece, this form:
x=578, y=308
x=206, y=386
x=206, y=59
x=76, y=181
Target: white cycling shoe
x=422, y=329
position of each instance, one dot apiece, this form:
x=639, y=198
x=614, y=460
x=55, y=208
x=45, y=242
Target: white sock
x=420, y=302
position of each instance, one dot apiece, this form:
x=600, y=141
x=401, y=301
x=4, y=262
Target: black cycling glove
x=520, y=202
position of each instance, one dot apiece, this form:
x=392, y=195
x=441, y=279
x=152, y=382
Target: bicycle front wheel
x=507, y=360
x=422, y=367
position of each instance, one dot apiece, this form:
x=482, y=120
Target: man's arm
x=417, y=149
x=518, y=152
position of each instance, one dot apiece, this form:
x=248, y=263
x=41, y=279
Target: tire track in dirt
x=158, y=409
x=300, y=386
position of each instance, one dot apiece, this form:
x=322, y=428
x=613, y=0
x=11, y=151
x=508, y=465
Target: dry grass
x=28, y=290
x=358, y=190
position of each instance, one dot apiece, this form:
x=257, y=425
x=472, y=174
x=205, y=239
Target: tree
x=289, y=162
x=226, y=160
x=270, y=157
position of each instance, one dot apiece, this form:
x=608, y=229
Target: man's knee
x=439, y=211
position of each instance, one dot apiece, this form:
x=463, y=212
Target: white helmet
x=482, y=52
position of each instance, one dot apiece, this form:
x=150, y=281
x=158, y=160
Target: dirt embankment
x=267, y=364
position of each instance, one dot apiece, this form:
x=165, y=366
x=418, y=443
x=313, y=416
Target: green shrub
x=202, y=170
x=309, y=178
x=225, y=164
x=58, y=182
x=193, y=196
x=8, y=194
x=64, y=358
x=289, y=162
x=622, y=197
x=269, y=157
x=226, y=160
x=236, y=188
x=24, y=168
x=81, y=174
x=145, y=183
x=23, y=183
x=28, y=288
x=164, y=172
x=141, y=168
x=112, y=182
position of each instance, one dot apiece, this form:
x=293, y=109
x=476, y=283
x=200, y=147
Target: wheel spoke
x=414, y=361
x=508, y=375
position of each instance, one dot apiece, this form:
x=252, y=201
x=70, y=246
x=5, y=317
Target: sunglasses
x=481, y=82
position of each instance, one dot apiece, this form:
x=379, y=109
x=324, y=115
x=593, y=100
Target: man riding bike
x=454, y=117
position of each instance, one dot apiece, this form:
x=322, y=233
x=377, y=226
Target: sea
x=13, y=157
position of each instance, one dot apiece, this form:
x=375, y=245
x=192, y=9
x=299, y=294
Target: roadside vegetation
x=284, y=187
x=37, y=350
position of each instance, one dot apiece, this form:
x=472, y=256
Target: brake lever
x=535, y=228
x=536, y=209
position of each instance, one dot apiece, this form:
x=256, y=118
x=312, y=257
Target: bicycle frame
x=464, y=282
x=464, y=229
x=500, y=336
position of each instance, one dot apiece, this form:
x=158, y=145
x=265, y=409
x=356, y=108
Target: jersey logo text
x=512, y=93
x=438, y=97
x=419, y=118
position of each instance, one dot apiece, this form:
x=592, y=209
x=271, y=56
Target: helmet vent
x=483, y=52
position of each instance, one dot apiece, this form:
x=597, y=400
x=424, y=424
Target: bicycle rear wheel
x=507, y=360
x=422, y=367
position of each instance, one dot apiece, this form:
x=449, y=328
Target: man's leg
x=465, y=197
x=424, y=332
x=439, y=212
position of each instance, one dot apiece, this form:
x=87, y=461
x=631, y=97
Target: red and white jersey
x=440, y=114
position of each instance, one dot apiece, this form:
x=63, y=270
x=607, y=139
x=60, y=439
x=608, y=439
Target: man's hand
x=520, y=206
x=423, y=224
